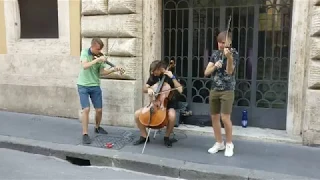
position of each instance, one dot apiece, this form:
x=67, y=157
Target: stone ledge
x=122, y=6
x=139, y=162
x=94, y=7
x=39, y=46
x=315, y=50
x=125, y=47
x=111, y=26
x=249, y=133
x=311, y=138
x=314, y=74
x=312, y=113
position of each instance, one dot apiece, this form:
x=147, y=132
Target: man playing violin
x=222, y=68
x=89, y=85
x=157, y=71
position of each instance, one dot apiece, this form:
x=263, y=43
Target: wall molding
x=15, y=45
x=75, y=27
x=3, y=43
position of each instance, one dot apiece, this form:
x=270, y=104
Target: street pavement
x=291, y=159
x=16, y=165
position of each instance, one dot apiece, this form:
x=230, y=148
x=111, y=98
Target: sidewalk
x=188, y=158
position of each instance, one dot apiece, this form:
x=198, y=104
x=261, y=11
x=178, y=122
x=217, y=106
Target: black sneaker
x=100, y=130
x=142, y=140
x=167, y=142
x=86, y=139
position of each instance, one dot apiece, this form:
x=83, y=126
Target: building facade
x=278, y=79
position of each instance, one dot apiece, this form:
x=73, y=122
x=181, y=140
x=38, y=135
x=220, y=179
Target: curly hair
x=156, y=65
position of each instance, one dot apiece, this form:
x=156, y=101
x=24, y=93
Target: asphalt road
x=16, y=165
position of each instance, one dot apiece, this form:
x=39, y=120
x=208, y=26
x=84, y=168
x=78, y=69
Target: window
x=39, y=18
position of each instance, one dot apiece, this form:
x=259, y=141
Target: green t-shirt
x=91, y=76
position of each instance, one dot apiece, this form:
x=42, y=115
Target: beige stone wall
x=311, y=121
x=38, y=75
x=119, y=24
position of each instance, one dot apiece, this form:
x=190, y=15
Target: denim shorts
x=94, y=93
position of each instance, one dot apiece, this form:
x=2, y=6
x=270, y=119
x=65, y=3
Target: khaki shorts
x=221, y=102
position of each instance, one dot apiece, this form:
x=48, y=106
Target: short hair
x=222, y=36
x=156, y=65
x=97, y=41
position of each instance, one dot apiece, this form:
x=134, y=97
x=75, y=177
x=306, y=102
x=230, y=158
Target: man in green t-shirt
x=89, y=85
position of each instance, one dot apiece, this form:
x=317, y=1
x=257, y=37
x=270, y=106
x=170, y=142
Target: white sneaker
x=229, y=150
x=216, y=147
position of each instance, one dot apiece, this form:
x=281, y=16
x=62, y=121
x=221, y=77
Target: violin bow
x=108, y=54
x=161, y=92
x=226, y=42
x=228, y=28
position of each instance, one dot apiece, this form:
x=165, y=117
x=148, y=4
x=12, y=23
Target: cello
x=154, y=115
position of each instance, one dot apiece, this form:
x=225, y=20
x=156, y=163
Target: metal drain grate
x=118, y=141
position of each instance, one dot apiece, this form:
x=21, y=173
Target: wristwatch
x=173, y=77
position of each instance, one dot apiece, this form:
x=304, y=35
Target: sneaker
x=216, y=147
x=141, y=140
x=167, y=142
x=229, y=150
x=86, y=139
x=100, y=130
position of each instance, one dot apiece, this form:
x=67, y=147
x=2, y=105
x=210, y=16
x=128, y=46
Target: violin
x=122, y=71
x=154, y=115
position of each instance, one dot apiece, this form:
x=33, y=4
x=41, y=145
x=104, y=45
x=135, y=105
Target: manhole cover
x=118, y=140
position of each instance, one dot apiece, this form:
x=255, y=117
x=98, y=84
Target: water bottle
x=244, y=121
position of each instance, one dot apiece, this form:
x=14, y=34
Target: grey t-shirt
x=221, y=80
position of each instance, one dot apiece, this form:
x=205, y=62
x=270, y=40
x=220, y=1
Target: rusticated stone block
x=86, y=43
x=120, y=100
x=315, y=50
x=315, y=2
x=314, y=74
x=315, y=21
x=121, y=6
x=311, y=138
x=94, y=7
x=132, y=65
x=111, y=26
x=312, y=113
x=125, y=47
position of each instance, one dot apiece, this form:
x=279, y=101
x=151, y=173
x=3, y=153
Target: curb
x=293, y=140
x=139, y=162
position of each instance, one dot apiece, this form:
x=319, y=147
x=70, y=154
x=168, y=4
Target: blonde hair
x=222, y=36
x=97, y=41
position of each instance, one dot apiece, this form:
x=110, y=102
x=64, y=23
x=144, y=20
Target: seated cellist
x=157, y=71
